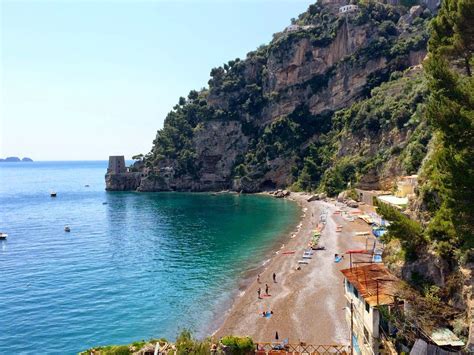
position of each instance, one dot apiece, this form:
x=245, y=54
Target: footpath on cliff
x=308, y=304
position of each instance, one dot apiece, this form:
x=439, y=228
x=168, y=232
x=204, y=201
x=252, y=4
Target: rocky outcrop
x=281, y=193
x=10, y=160
x=123, y=181
x=317, y=197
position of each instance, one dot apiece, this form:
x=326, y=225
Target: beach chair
x=280, y=348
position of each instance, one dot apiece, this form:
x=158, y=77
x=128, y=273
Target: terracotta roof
x=373, y=282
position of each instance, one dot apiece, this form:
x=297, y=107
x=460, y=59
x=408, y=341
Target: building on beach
x=368, y=289
x=116, y=164
x=369, y=196
x=406, y=185
x=394, y=201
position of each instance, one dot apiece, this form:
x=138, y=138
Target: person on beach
x=274, y=278
x=258, y=292
x=266, y=289
x=276, y=335
x=258, y=278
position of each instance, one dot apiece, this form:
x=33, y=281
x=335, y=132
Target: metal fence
x=303, y=349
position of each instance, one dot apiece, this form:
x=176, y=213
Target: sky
x=85, y=79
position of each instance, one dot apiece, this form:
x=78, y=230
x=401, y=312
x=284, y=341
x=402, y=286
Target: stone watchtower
x=116, y=164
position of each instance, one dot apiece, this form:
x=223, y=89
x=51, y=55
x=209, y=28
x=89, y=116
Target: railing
x=262, y=349
x=296, y=349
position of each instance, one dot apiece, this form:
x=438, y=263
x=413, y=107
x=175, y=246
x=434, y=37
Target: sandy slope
x=308, y=304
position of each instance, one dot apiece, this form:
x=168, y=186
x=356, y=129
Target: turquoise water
x=140, y=266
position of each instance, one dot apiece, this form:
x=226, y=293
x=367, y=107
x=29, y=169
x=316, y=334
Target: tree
x=449, y=173
x=453, y=31
x=193, y=95
x=408, y=231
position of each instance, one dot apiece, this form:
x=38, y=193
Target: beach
x=308, y=304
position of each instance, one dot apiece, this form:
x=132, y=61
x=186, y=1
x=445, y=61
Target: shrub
x=186, y=344
x=407, y=231
x=238, y=345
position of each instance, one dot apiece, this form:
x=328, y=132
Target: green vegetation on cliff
x=394, y=110
x=449, y=173
x=288, y=136
x=442, y=239
x=185, y=344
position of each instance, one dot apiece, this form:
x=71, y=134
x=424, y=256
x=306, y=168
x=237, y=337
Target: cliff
x=264, y=120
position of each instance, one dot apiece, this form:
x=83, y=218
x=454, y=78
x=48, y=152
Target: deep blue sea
x=134, y=266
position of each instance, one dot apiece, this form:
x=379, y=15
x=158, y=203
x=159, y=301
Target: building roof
x=444, y=337
x=373, y=282
x=393, y=200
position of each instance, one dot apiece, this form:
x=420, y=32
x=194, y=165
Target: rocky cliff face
x=259, y=119
x=122, y=181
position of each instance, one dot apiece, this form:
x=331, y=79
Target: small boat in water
x=3, y=236
x=67, y=229
x=86, y=185
x=53, y=194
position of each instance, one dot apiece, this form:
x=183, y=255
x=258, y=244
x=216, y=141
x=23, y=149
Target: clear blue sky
x=86, y=79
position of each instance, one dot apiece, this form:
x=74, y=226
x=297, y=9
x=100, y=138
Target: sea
x=134, y=265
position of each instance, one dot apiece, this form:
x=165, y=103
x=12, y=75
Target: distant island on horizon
x=15, y=160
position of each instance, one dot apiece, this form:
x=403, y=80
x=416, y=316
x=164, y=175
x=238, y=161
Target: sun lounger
x=280, y=346
x=303, y=262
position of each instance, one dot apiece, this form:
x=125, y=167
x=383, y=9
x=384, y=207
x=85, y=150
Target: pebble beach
x=307, y=300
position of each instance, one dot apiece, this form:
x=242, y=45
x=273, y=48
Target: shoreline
x=308, y=304
x=247, y=277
